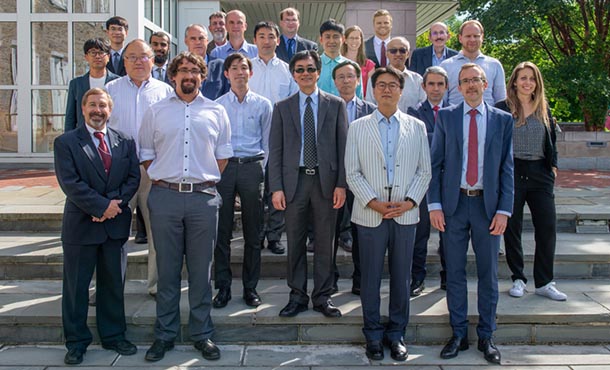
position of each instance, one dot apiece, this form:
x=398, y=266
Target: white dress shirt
x=412, y=94
x=272, y=80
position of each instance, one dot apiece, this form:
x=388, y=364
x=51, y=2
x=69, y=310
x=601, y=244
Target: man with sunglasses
x=134, y=93
x=413, y=93
x=306, y=149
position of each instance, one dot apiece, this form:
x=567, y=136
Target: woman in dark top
x=535, y=170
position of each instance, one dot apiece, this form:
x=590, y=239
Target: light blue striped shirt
x=389, y=131
x=222, y=52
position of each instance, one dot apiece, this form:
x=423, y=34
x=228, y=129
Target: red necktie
x=383, y=61
x=103, y=150
x=472, y=170
x=435, y=109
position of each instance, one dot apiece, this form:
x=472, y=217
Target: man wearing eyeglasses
x=116, y=30
x=134, y=93
x=471, y=37
x=96, y=55
x=306, y=149
x=412, y=94
x=185, y=144
x=387, y=165
x=435, y=54
x=470, y=199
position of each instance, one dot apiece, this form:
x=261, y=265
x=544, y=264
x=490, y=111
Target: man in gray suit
x=307, y=145
x=97, y=53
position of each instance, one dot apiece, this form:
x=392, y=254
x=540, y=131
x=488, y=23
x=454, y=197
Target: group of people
x=364, y=136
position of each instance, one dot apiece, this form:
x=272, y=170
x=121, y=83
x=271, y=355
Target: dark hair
x=172, y=70
x=97, y=43
x=348, y=63
x=159, y=34
x=233, y=57
x=391, y=71
x=437, y=71
x=117, y=21
x=267, y=24
x=305, y=54
x=332, y=25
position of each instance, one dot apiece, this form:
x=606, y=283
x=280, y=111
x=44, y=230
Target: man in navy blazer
x=97, y=55
x=471, y=197
x=116, y=30
x=434, y=54
x=289, y=24
x=435, y=84
x=376, y=45
x=98, y=170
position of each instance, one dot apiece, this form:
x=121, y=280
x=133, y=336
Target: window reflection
x=82, y=32
x=49, y=6
x=90, y=6
x=8, y=6
x=8, y=121
x=48, y=108
x=8, y=53
x=49, y=53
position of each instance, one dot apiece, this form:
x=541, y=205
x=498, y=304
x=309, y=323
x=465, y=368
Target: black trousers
x=343, y=211
x=534, y=183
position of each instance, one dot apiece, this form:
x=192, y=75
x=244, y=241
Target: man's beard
x=188, y=89
x=219, y=36
x=161, y=59
x=97, y=121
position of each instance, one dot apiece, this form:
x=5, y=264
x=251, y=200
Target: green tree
x=567, y=39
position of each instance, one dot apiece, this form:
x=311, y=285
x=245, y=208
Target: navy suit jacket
x=77, y=89
x=421, y=59
x=216, y=84
x=364, y=108
x=121, y=71
x=447, y=150
x=89, y=189
x=424, y=113
x=369, y=49
x=302, y=44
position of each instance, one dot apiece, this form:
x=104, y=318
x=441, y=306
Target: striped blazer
x=366, y=168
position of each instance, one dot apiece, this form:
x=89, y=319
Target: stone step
x=30, y=312
x=25, y=256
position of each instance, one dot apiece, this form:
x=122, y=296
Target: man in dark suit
x=159, y=43
x=116, y=30
x=435, y=84
x=347, y=78
x=96, y=55
x=290, y=42
x=375, y=46
x=471, y=197
x=97, y=168
x=434, y=54
x=307, y=145
x=215, y=84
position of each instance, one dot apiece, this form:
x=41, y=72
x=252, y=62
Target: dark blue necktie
x=290, y=48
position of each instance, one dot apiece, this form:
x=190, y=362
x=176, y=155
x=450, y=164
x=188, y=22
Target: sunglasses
x=309, y=70
x=394, y=51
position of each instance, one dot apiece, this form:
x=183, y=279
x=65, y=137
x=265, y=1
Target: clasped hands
x=390, y=210
x=113, y=209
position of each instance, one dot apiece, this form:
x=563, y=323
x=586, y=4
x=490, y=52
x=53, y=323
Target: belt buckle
x=471, y=192
x=185, y=187
x=310, y=171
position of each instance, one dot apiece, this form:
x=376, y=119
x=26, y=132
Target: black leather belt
x=185, y=187
x=308, y=171
x=242, y=160
x=472, y=192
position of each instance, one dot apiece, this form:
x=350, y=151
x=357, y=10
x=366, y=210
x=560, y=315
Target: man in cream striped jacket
x=387, y=163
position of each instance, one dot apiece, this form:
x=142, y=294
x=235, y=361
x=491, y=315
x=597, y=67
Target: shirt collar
x=480, y=108
x=92, y=130
x=314, y=97
x=234, y=98
x=326, y=59
x=378, y=41
x=380, y=117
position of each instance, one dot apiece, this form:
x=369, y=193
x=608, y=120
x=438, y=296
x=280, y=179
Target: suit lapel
x=86, y=143
x=295, y=107
x=491, y=129
x=459, y=129
x=323, y=103
x=115, y=147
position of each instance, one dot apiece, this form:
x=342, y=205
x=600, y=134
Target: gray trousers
x=184, y=226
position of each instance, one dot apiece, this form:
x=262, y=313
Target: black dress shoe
x=74, y=356
x=122, y=347
x=453, y=346
x=374, y=350
x=443, y=280
x=222, y=298
x=328, y=309
x=276, y=247
x=355, y=290
x=310, y=246
x=208, y=349
x=417, y=287
x=398, y=350
x=490, y=351
x=252, y=298
x=292, y=309
x=346, y=244
x=157, y=351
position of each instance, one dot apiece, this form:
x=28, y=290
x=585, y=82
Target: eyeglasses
x=382, y=86
x=309, y=70
x=346, y=77
x=194, y=71
x=134, y=58
x=397, y=50
x=96, y=54
x=475, y=80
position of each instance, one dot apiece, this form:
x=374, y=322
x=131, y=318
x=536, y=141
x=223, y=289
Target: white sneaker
x=551, y=292
x=518, y=289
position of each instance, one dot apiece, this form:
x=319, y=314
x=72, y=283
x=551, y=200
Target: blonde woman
x=535, y=156
x=353, y=49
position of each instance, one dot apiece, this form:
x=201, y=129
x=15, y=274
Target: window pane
x=49, y=6
x=8, y=6
x=148, y=9
x=49, y=53
x=157, y=12
x=48, y=108
x=8, y=121
x=8, y=53
x=167, y=16
x=90, y=6
x=83, y=31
